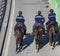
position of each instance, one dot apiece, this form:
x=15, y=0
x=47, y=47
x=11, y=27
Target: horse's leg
x=21, y=33
x=35, y=36
x=16, y=44
x=54, y=38
x=37, y=43
x=40, y=36
x=36, y=39
x=16, y=37
x=21, y=43
x=50, y=35
x=20, y=47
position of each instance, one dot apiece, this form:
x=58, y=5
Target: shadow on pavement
x=28, y=40
x=58, y=38
x=44, y=41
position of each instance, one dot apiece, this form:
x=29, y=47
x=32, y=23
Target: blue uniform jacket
x=39, y=18
x=20, y=19
x=52, y=17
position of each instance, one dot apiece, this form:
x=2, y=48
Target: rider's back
x=52, y=17
x=39, y=18
x=20, y=19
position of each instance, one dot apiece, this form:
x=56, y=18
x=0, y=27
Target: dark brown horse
x=38, y=32
x=52, y=33
x=19, y=34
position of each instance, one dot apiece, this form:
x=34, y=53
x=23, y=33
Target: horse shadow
x=44, y=41
x=58, y=38
x=28, y=40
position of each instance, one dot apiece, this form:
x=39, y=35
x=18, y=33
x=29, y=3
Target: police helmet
x=39, y=12
x=20, y=12
x=51, y=10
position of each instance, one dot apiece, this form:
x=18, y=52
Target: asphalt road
x=29, y=9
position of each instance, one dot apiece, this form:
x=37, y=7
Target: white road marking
x=11, y=25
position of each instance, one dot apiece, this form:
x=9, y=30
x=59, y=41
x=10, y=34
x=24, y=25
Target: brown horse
x=52, y=33
x=38, y=32
x=19, y=33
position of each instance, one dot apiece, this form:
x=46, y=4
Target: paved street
x=29, y=9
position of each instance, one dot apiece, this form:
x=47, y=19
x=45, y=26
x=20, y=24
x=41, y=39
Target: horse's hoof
x=53, y=48
x=16, y=49
x=17, y=52
x=20, y=49
x=50, y=44
x=54, y=45
x=37, y=51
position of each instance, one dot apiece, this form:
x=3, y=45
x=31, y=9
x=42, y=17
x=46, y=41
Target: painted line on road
x=10, y=30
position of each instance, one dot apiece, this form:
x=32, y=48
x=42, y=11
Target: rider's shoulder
x=51, y=14
x=20, y=17
x=39, y=15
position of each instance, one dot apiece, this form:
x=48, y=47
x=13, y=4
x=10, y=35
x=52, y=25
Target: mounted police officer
x=52, y=18
x=20, y=20
x=39, y=19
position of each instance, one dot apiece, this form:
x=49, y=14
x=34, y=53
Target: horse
x=19, y=34
x=38, y=32
x=52, y=33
